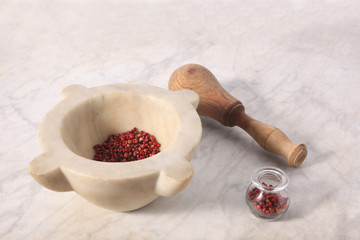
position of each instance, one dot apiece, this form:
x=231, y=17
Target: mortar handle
x=46, y=171
x=217, y=103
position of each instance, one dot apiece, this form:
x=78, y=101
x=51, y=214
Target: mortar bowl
x=87, y=116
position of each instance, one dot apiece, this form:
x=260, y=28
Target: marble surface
x=294, y=64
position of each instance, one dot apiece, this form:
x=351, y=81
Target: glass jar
x=267, y=195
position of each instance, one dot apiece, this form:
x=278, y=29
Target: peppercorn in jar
x=267, y=195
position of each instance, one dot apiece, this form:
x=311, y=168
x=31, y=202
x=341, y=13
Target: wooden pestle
x=218, y=104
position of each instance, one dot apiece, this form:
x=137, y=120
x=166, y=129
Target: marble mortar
x=86, y=116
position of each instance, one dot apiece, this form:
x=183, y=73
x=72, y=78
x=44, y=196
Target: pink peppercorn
x=267, y=195
x=128, y=146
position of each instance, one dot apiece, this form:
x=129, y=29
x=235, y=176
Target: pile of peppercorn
x=128, y=146
x=267, y=203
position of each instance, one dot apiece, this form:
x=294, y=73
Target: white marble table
x=294, y=64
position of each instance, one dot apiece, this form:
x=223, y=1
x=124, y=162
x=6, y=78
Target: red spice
x=267, y=203
x=128, y=146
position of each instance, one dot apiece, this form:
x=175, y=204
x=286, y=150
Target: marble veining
x=294, y=64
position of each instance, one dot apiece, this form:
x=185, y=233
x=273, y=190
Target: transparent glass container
x=267, y=195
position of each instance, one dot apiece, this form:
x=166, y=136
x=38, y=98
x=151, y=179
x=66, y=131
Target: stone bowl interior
x=93, y=121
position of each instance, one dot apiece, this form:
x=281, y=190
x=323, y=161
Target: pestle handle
x=217, y=103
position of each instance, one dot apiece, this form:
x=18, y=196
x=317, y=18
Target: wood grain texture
x=217, y=103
